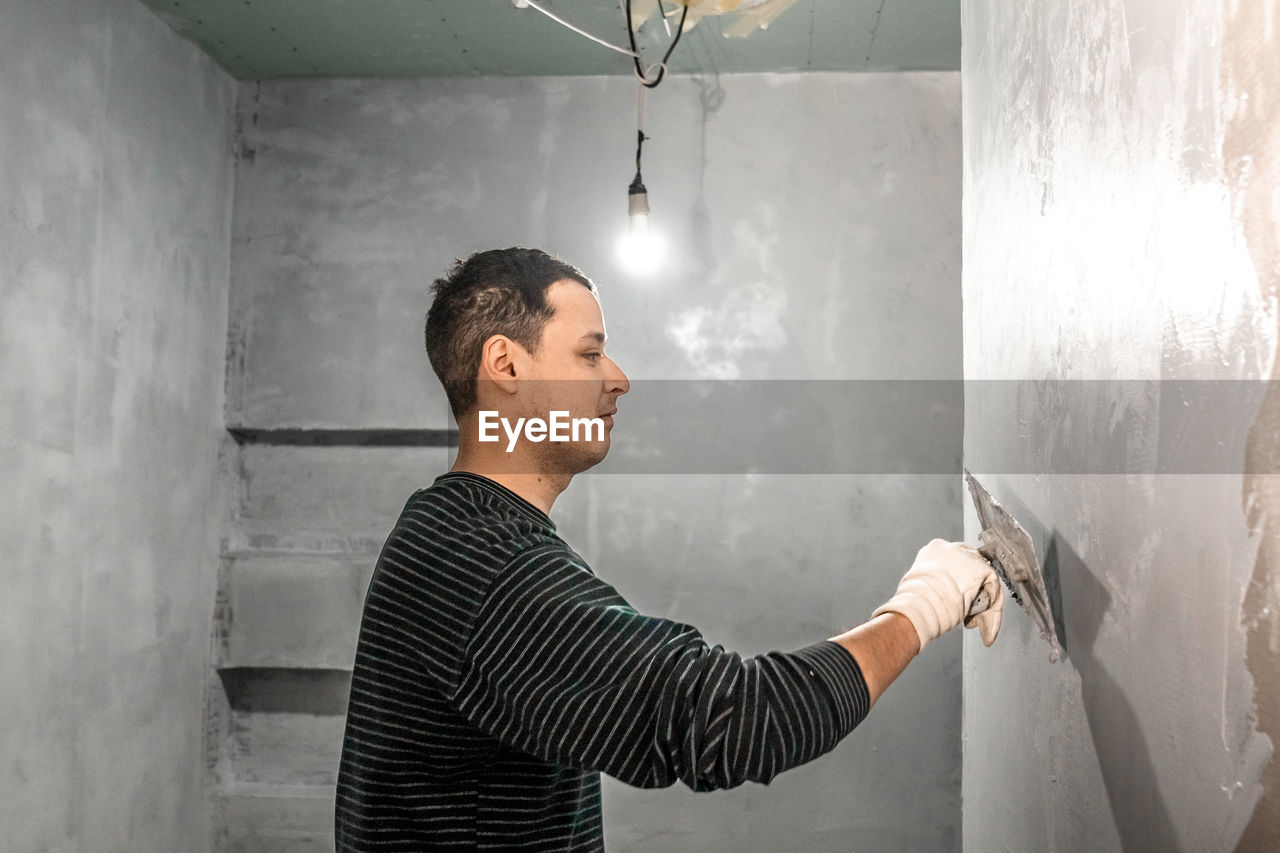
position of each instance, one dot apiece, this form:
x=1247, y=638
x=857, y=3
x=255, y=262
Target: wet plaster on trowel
x=1250, y=83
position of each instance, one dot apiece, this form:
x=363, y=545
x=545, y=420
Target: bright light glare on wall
x=641, y=250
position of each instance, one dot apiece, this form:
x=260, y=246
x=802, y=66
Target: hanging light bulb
x=640, y=249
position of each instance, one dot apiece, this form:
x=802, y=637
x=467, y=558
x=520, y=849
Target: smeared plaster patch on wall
x=1100, y=242
x=1250, y=81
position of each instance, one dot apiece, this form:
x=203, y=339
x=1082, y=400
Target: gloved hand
x=938, y=589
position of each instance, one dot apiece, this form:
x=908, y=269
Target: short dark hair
x=498, y=292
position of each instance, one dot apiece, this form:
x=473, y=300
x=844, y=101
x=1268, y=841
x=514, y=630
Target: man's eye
x=592, y=355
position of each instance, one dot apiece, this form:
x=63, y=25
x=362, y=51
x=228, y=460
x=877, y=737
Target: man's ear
x=502, y=361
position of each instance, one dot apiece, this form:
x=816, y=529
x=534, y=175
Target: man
x=496, y=676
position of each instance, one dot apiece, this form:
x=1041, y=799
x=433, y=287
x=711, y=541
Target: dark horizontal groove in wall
x=283, y=690
x=303, y=437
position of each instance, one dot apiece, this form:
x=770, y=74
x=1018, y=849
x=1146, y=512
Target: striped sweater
x=496, y=676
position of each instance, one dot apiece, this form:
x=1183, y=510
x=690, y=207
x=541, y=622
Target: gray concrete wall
x=814, y=226
x=1120, y=199
x=115, y=203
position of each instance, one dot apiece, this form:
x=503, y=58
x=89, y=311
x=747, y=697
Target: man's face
x=570, y=372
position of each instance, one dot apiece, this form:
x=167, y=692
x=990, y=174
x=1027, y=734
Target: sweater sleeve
x=560, y=666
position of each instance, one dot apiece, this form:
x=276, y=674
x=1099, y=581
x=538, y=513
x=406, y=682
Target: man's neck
x=539, y=489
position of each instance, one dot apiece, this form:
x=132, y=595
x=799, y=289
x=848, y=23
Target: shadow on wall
x=1080, y=601
x=1140, y=814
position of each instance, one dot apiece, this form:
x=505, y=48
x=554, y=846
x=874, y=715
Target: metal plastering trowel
x=1009, y=550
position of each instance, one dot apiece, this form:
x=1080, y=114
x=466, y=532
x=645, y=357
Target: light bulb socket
x=637, y=200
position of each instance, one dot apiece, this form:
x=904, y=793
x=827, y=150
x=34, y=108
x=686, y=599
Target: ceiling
x=446, y=38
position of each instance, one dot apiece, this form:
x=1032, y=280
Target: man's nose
x=616, y=382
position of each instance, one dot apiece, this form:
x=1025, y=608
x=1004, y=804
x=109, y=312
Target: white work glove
x=939, y=588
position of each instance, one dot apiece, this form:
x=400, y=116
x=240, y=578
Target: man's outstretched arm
x=561, y=667
x=882, y=647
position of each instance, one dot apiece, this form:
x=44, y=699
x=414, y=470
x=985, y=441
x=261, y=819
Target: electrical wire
x=662, y=13
x=553, y=16
x=643, y=73
x=637, y=184
x=640, y=109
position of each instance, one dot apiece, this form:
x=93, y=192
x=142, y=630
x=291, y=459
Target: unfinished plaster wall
x=1120, y=204
x=115, y=205
x=814, y=223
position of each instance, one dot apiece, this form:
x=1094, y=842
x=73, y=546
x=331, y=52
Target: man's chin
x=582, y=457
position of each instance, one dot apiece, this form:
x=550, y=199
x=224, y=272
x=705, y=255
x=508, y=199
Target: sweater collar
x=502, y=492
